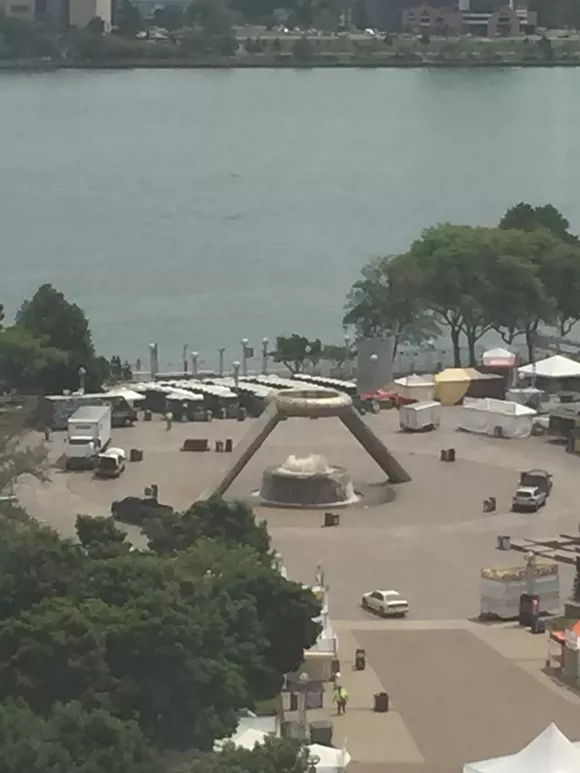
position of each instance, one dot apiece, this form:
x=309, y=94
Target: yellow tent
x=453, y=384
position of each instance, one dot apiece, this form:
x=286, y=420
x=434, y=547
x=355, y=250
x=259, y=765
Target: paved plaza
x=460, y=690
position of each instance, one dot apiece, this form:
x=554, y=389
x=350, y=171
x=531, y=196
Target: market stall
x=498, y=418
x=414, y=387
x=454, y=384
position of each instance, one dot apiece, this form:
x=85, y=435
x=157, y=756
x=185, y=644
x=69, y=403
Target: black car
x=137, y=510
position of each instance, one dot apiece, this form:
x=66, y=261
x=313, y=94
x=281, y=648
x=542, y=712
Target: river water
x=198, y=207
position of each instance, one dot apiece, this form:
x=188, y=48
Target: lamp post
x=303, y=683
x=221, y=351
x=244, y=343
x=374, y=358
x=236, y=366
x=184, y=359
x=154, y=359
x=82, y=374
x=347, y=342
x=194, y=362
x=265, y=356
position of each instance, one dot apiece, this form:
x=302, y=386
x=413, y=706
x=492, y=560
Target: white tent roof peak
x=499, y=351
x=550, y=752
x=415, y=380
x=557, y=366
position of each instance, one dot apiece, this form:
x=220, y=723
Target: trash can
x=450, y=454
x=222, y=413
x=321, y=732
x=443, y=457
x=147, y=415
x=155, y=491
x=360, y=659
x=242, y=413
x=382, y=702
x=219, y=445
x=503, y=542
x=229, y=446
x=208, y=415
x=331, y=519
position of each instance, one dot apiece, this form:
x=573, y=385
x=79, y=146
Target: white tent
x=416, y=388
x=129, y=394
x=327, y=759
x=498, y=418
x=550, y=752
x=499, y=358
x=246, y=739
x=557, y=366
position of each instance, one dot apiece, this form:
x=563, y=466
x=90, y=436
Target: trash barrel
x=331, y=519
x=443, y=456
x=450, y=454
x=155, y=491
x=147, y=415
x=382, y=701
x=222, y=413
x=219, y=445
x=503, y=542
x=208, y=415
x=242, y=413
x=360, y=659
x=321, y=732
x=229, y=446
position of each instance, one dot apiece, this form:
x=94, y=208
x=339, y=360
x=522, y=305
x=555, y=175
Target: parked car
x=137, y=510
x=386, y=603
x=529, y=498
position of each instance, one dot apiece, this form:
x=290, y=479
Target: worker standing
x=341, y=699
x=168, y=420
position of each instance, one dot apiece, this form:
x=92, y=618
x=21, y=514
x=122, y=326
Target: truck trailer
x=89, y=434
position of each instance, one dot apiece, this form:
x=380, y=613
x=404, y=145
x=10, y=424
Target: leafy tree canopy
x=295, y=351
x=274, y=756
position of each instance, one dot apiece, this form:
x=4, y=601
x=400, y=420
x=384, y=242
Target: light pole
x=154, y=359
x=347, y=342
x=244, y=343
x=265, y=356
x=221, y=351
x=236, y=366
x=194, y=361
x=184, y=360
x=82, y=374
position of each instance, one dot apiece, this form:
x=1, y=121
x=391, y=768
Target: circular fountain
x=307, y=482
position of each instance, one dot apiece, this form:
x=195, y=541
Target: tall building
x=80, y=12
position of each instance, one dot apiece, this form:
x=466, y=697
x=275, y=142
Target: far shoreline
x=274, y=63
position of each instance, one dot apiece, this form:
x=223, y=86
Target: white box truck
x=89, y=434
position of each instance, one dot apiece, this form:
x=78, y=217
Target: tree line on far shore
x=515, y=279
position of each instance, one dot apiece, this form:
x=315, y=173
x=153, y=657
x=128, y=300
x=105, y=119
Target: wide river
x=198, y=207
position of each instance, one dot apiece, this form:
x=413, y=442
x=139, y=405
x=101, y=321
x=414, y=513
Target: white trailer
x=89, y=433
x=501, y=588
x=419, y=417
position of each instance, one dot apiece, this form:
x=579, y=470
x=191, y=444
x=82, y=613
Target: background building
x=20, y=9
x=80, y=12
x=487, y=18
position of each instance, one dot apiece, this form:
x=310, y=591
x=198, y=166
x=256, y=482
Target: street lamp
x=194, y=361
x=82, y=374
x=154, y=359
x=265, y=356
x=244, y=343
x=221, y=351
x=236, y=366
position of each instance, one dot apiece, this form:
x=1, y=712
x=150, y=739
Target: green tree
x=212, y=16
x=524, y=217
x=232, y=523
x=274, y=756
x=96, y=26
x=71, y=740
x=100, y=537
x=387, y=301
x=24, y=359
x=294, y=351
x=126, y=18
x=18, y=456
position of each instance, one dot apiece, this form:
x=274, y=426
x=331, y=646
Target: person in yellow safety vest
x=341, y=699
x=168, y=420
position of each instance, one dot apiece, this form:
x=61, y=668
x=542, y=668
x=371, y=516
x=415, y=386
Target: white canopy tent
x=326, y=759
x=550, y=752
x=499, y=358
x=498, y=418
x=556, y=367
